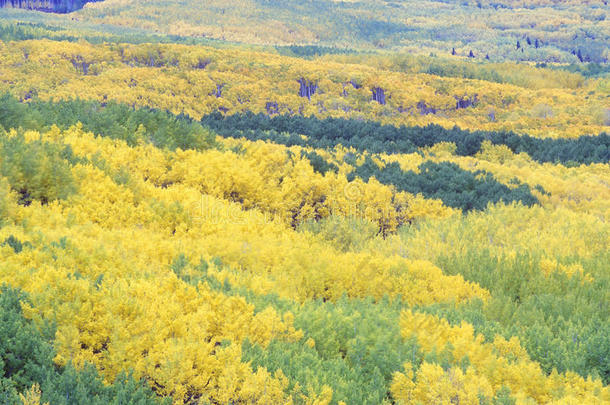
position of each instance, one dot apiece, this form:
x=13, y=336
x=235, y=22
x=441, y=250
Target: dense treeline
x=114, y=120
x=455, y=186
x=378, y=138
x=41, y=171
x=29, y=376
x=446, y=181
x=52, y=6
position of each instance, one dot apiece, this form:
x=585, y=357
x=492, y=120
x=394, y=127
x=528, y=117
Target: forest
x=322, y=202
x=51, y=6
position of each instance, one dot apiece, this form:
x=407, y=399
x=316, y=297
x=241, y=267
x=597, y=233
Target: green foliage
x=114, y=120
x=561, y=320
x=195, y=274
x=356, y=356
x=15, y=243
x=87, y=387
x=14, y=114
x=26, y=358
x=377, y=138
x=503, y=397
x=447, y=181
x=318, y=163
x=586, y=69
x=304, y=366
x=35, y=170
x=8, y=394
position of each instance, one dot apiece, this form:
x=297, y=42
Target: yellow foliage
x=32, y=396
x=582, y=189
x=7, y=202
x=433, y=385
x=184, y=78
x=501, y=363
x=548, y=266
x=495, y=153
x=150, y=322
x=503, y=230
x=101, y=265
x=264, y=177
x=102, y=262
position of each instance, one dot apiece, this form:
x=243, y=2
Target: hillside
x=416, y=90
x=540, y=31
x=548, y=31
x=293, y=212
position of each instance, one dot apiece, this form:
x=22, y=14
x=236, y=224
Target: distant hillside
x=542, y=31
